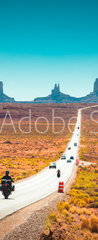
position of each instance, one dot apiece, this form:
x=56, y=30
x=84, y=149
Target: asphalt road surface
x=44, y=183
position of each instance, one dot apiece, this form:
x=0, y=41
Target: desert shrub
x=93, y=222
x=74, y=227
x=79, y=202
x=90, y=223
x=85, y=222
x=86, y=211
x=53, y=217
x=65, y=213
x=87, y=235
x=47, y=224
x=94, y=236
x=73, y=209
x=80, y=211
x=63, y=205
x=83, y=191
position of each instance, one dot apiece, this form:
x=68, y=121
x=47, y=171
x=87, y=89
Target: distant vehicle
x=69, y=148
x=52, y=165
x=69, y=160
x=72, y=157
x=77, y=135
x=63, y=157
x=75, y=144
x=77, y=127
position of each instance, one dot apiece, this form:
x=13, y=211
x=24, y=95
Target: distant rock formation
x=55, y=97
x=4, y=98
x=96, y=87
x=1, y=92
x=58, y=97
x=55, y=94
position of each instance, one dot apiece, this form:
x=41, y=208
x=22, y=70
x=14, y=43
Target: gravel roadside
x=28, y=223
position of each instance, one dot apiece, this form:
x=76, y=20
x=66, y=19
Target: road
x=44, y=183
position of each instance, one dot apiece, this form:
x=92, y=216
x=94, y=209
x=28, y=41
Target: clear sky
x=43, y=42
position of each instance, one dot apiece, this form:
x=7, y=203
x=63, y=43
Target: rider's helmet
x=58, y=170
x=7, y=173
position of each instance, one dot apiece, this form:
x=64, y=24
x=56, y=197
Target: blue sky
x=43, y=42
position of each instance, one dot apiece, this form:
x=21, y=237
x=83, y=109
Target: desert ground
x=25, y=154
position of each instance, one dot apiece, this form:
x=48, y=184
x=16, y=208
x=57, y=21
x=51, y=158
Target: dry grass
x=26, y=154
x=90, y=223
x=84, y=191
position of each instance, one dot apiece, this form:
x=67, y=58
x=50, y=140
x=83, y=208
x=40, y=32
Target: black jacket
x=8, y=178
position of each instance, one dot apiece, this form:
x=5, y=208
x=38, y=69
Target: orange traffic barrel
x=61, y=187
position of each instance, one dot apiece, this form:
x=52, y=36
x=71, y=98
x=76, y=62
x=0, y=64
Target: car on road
x=72, y=157
x=52, y=165
x=69, y=160
x=77, y=127
x=63, y=157
x=69, y=148
x=75, y=144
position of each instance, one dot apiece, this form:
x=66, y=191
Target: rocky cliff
x=58, y=97
x=96, y=87
x=3, y=97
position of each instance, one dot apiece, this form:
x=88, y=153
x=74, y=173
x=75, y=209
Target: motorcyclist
x=58, y=172
x=7, y=177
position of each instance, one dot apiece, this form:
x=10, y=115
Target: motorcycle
x=58, y=174
x=6, y=187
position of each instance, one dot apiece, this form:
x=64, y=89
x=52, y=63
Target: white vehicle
x=63, y=157
x=52, y=165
